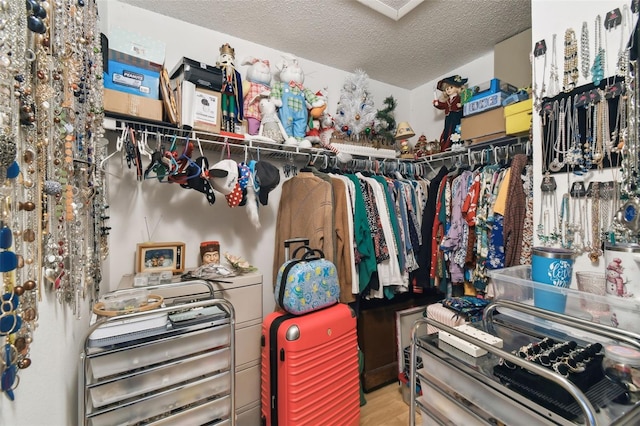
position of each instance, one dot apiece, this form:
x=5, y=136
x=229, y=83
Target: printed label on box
x=206, y=108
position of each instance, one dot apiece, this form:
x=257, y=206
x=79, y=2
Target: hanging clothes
x=305, y=210
x=514, y=218
x=421, y=275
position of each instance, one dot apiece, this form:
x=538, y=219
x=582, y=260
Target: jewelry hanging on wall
x=559, y=146
x=539, y=90
x=546, y=231
x=596, y=251
x=554, y=82
x=51, y=113
x=599, y=61
x=585, y=62
x=571, y=74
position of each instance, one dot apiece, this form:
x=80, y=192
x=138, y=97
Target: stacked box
x=488, y=96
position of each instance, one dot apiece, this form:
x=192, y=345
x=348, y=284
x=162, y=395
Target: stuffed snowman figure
x=256, y=84
x=291, y=97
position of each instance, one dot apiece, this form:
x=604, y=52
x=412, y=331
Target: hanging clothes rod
x=492, y=145
x=236, y=142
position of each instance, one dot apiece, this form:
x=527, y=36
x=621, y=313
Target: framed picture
x=156, y=257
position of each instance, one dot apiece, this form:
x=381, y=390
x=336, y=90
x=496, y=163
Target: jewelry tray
x=540, y=395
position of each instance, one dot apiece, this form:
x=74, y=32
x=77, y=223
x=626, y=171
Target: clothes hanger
x=119, y=144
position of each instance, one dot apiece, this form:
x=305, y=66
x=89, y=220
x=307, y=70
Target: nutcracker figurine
x=232, y=103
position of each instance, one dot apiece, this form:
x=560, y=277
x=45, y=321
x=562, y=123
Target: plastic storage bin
x=515, y=284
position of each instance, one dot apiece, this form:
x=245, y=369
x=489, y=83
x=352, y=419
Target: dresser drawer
x=248, y=386
x=246, y=301
x=248, y=344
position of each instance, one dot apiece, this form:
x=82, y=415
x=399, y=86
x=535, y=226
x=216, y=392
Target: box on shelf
x=136, y=44
x=483, y=127
x=515, y=284
x=487, y=96
x=132, y=105
x=133, y=75
x=199, y=108
x=518, y=117
x=198, y=73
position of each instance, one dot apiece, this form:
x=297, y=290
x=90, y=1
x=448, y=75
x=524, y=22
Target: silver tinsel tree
x=356, y=114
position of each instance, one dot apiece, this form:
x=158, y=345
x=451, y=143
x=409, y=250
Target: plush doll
x=232, y=104
x=291, y=97
x=315, y=115
x=270, y=125
x=452, y=106
x=257, y=84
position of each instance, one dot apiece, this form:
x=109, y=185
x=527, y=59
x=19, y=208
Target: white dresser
x=245, y=294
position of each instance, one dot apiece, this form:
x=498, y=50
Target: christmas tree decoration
x=386, y=122
x=355, y=113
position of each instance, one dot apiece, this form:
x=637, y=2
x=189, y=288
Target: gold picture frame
x=158, y=257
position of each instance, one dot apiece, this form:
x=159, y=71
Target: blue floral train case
x=307, y=284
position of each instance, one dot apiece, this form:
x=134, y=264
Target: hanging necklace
x=548, y=206
x=597, y=70
x=623, y=51
x=539, y=94
x=597, y=154
x=554, y=83
x=571, y=74
x=559, y=147
x=584, y=50
x=595, y=252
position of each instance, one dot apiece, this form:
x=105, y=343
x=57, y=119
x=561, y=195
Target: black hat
x=454, y=80
x=268, y=177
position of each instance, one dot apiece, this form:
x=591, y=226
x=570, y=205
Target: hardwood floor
x=385, y=407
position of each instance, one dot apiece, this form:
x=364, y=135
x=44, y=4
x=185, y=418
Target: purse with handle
x=308, y=283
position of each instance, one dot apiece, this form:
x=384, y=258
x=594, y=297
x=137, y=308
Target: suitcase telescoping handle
x=290, y=241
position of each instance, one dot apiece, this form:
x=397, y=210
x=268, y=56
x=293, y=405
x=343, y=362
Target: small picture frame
x=157, y=257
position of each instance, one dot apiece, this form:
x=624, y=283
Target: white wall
x=550, y=17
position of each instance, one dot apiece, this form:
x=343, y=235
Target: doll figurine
x=292, y=98
x=232, y=104
x=452, y=106
x=257, y=84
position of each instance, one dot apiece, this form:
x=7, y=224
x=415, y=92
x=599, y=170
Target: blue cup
x=551, y=266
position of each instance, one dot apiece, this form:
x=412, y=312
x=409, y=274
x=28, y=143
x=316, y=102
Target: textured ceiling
x=434, y=38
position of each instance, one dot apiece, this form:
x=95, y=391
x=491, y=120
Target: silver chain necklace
x=584, y=50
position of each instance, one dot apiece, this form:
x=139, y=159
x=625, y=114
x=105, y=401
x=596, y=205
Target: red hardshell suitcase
x=310, y=368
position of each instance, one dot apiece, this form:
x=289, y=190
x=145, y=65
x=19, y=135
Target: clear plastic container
x=621, y=364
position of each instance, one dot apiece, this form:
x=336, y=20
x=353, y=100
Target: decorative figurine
x=452, y=106
x=210, y=253
x=291, y=97
x=256, y=85
x=232, y=101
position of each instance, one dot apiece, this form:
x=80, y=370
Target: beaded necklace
x=571, y=74
x=584, y=50
x=597, y=70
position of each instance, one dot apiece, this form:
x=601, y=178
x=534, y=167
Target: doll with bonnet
x=256, y=84
x=451, y=103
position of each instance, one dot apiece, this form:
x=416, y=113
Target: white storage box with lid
x=515, y=284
